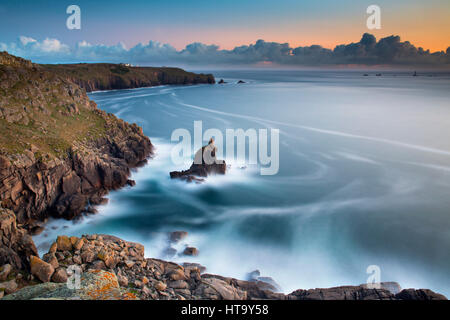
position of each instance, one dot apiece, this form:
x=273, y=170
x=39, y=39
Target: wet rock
x=240, y=82
x=191, y=251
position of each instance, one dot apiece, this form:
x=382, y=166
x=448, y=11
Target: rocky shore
x=113, y=269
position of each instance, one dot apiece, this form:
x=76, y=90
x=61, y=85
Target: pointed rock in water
x=205, y=163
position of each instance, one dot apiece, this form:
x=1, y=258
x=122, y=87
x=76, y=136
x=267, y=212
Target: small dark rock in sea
x=378, y=74
x=221, y=81
x=131, y=183
x=240, y=81
x=176, y=236
x=191, y=251
x=366, y=75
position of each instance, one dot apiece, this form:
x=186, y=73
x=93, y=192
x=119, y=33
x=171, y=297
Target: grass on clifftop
x=54, y=134
x=42, y=112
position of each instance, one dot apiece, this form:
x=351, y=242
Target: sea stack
x=205, y=163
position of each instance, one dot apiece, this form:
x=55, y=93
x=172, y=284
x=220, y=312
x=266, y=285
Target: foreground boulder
x=205, y=163
x=42, y=270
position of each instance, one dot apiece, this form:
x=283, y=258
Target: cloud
x=368, y=51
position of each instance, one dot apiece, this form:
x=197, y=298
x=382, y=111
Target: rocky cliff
x=58, y=152
x=105, y=76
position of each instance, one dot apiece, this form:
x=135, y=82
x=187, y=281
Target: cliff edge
x=58, y=151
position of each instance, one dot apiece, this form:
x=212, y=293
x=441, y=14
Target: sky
x=226, y=24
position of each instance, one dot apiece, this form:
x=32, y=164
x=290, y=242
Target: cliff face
x=58, y=152
x=104, y=76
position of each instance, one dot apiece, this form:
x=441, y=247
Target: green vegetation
x=44, y=113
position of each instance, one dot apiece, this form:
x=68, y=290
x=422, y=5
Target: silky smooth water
x=364, y=178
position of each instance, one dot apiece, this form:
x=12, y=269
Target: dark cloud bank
x=368, y=51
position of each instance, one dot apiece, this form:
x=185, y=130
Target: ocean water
x=364, y=179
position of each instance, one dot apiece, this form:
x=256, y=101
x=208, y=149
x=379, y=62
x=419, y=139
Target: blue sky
x=37, y=29
x=226, y=23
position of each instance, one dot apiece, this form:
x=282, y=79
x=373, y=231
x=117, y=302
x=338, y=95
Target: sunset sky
x=227, y=23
